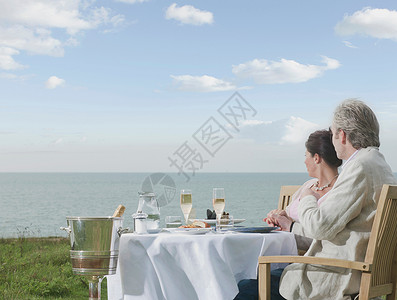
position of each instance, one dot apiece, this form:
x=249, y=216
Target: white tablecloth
x=182, y=266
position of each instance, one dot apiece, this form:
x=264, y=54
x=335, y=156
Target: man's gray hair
x=359, y=123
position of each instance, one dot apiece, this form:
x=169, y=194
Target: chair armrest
x=347, y=264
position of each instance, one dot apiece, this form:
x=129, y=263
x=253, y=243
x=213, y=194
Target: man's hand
x=285, y=222
x=308, y=191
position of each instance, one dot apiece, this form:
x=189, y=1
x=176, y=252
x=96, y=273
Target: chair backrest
x=286, y=193
x=381, y=251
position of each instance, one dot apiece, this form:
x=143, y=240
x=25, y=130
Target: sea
x=37, y=204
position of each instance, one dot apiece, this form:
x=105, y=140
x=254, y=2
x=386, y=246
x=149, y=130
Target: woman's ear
x=317, y=158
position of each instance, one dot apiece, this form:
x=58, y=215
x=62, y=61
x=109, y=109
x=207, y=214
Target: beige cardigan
x=340, y=228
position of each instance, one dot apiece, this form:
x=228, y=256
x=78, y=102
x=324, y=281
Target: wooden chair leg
x=365, y=286
x=264, y=282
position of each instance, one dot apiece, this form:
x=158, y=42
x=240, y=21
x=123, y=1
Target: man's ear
x=343, y=137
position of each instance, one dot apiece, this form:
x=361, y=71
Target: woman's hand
x=272, y=216
x=279, y=218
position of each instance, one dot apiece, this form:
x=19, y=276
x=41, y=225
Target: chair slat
x=286, y=193
x=384, y=289
x=385, y=245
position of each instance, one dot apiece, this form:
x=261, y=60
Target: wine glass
x=186, y=203
x=218, y=201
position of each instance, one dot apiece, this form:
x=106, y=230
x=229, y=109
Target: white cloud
x=6, y=60
x=71, y=15
x=188, y=14
x=263, y=71
x=33, y=41
x=7, y=75
x=203, y=83
x=374, y=22
x=246, y=123
x=349, y=45
x=290, y=131
x=297, y=130
x=54, y=82
x=131, y=1
x=58, y=141
x=28, y=25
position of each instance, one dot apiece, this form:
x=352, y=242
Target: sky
x=187, y=86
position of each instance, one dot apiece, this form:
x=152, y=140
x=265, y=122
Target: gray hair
x=359, y=123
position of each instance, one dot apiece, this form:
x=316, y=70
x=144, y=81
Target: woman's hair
x=320, y=142
x=359, y=123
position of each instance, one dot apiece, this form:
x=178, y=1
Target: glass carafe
x=149, y=205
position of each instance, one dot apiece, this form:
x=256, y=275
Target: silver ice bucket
x=94, y=250
x=94, y=244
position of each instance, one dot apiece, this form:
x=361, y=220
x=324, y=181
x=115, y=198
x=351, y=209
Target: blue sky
x=124, y=86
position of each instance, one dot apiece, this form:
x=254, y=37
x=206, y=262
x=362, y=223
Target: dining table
x=192, y=264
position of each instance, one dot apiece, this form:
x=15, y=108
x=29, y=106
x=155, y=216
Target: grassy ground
x=40, y=268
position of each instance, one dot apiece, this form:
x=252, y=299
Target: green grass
x=40, y=268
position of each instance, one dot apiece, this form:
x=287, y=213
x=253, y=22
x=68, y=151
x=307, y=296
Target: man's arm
x=344, y=202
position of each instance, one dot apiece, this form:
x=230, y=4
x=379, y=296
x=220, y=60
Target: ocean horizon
x=37, y=204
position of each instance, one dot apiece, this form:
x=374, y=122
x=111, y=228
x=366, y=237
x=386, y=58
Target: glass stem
x=218, y=222
x=186, y=218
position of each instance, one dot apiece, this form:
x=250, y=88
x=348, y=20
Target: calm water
x=36, y=204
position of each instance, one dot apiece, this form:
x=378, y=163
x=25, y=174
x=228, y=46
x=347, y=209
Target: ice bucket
x=94, y=245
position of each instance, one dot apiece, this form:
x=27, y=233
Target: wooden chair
x=379, y=268
x=286, y=193
x=285, y=198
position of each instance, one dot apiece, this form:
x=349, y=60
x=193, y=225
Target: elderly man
x=341, y=226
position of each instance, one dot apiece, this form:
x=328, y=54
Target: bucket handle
x=67, y=229
x=122, y=230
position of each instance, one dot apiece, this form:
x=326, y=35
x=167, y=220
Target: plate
x=236, y=221
x=152, y=231
x=254, y=229
x=213, y=221
x=189, y=230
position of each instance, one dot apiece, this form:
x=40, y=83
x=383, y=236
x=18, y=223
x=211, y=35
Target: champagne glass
x=218, y=201
x=186, y=203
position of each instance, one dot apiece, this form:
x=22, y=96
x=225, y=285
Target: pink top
x=292, y=208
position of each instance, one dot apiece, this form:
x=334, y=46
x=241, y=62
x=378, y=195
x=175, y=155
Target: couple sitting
x=332, y=215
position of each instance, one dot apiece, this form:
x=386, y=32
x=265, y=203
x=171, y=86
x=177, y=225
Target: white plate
x=213, y=221
x=152, y=231
x=236, y=221
x=189, y=230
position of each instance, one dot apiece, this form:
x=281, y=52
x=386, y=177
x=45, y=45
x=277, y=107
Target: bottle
x=140, y=223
